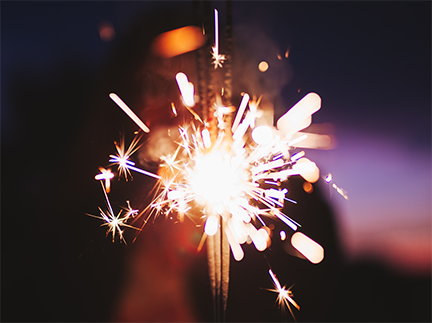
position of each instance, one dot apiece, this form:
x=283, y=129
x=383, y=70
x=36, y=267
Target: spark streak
x=129, y=112
x=218, y=58
x=285, y=296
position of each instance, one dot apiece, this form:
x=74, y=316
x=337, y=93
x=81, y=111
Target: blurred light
x=211, y=225
x=261, y=239
x=314, y=141
x=307, y=169
x=173, y=108
x=263, y=66
x=174, y=195
x=186, y=89
x=106, y=31
x=287, y=52
x=236, y=249
x=178, y=41
x=244, y=102
x=307, y=247
x=206, y=138
x=299, y=116
x=282, y=235
x=262, y=134
x=307, y=187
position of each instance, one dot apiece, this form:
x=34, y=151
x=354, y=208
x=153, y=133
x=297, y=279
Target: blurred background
x=369, y=61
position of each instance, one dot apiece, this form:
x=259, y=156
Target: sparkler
x=234, y=181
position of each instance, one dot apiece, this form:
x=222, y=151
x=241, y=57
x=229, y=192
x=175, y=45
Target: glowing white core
x=214, y=181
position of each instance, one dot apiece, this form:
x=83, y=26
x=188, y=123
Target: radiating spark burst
x=122, y=159
x=234, y=180
x=115, y=222
x=285, y=296
x=218, y=58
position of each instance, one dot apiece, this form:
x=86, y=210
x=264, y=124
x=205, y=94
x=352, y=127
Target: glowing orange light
x=178, y=41
x=263, y=66
x=307, y=187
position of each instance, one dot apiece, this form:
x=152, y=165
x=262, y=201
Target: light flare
x=115, y=223
x=285, y=296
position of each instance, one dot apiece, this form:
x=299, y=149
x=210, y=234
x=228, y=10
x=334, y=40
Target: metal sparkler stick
x=218, y=245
